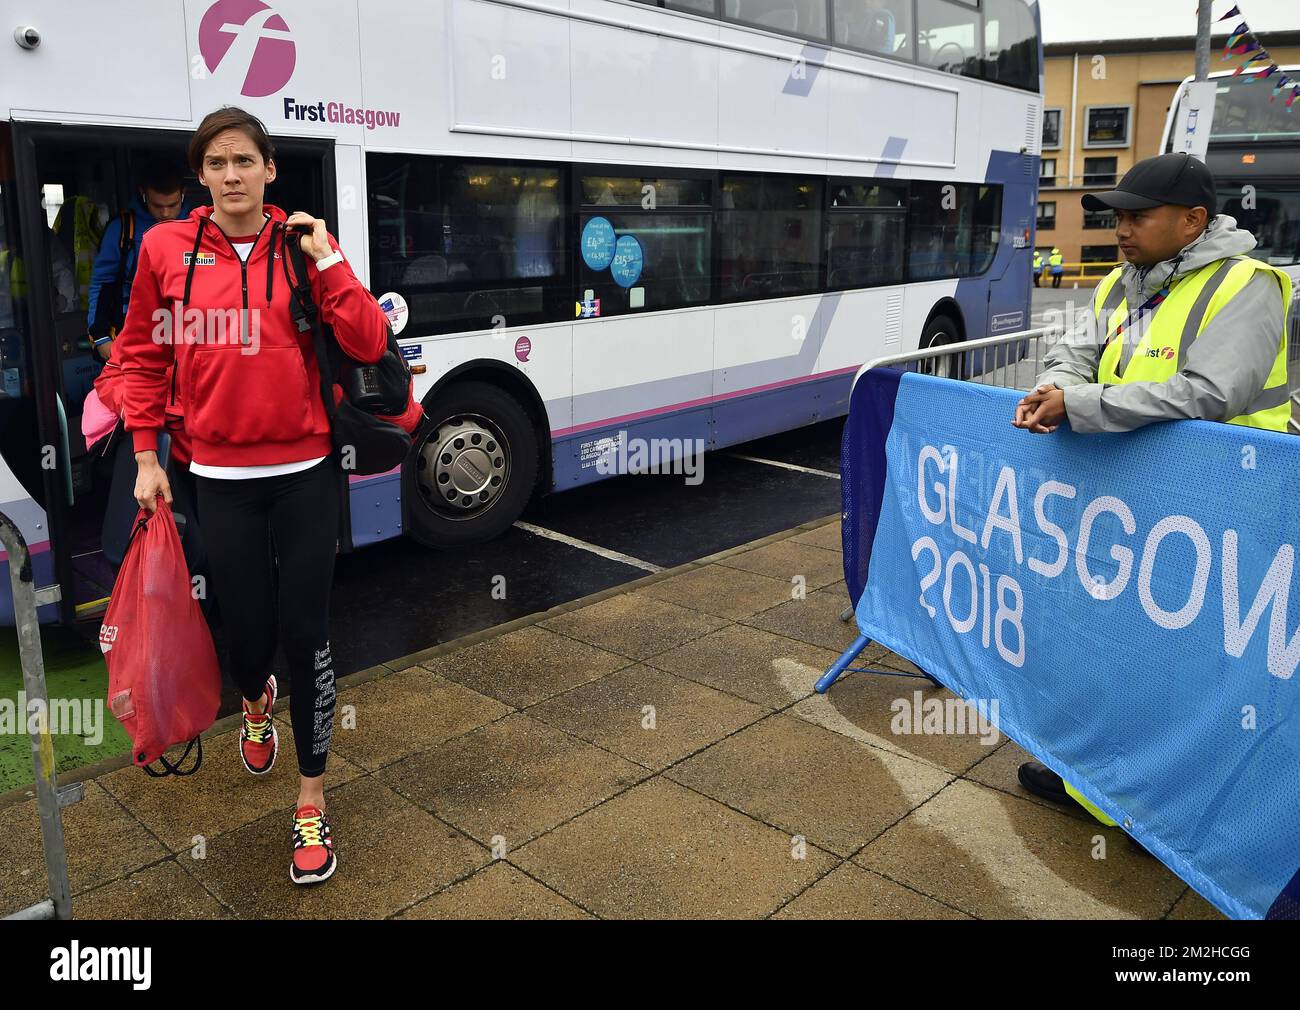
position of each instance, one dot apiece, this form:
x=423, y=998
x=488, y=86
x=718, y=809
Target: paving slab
x=391, y=855
x=762, y=667
x=721, y=591
x=102, y=842
x=787, y=559
x=523, y=667
x=660, y=851
x=850, y=892
x=634, y=625
x=499, y=891
x=647, y=716
x=809, y=781
x=1192, y=906
x=901, y=715
x=815, y=620
x=161, y=891
x=398, y=715
x=510, y=780
x=997, y=856
x=999, y=771
x=222, y=795
x=829, y=536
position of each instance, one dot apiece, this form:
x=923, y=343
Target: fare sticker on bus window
x=598, y=243
x=394, y=306
x=628, y=261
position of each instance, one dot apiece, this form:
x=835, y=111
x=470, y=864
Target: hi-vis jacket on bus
x=1215, y=348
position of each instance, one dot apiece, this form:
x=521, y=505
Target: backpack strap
x=306, y=315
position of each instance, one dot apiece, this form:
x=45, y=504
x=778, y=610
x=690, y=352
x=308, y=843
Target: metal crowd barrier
x=49, y=798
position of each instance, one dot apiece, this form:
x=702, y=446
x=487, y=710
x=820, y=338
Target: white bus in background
x=605, y=219
x=1254, y=153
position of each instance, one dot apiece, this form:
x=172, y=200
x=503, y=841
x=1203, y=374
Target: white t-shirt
x=242, y=249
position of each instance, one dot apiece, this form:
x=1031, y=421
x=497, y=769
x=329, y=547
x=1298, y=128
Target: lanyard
x=1147, y=306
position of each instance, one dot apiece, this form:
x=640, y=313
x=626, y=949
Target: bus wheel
x=472, y=468
x=939, y=332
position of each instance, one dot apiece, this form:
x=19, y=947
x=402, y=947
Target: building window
x=644, y=243
x=1099, y=219
x=865, y=233
x=948, y=37
x=1047, y=172
x=1100, y=171
x=790, y=17
x=769, y=236
x=468, y=241
x=1046, y=215
x=881, y=27
x=1098, y=260
x=1107, y=126
x=1051, y=129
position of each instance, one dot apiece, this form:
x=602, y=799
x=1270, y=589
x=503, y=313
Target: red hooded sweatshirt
x=246, y=383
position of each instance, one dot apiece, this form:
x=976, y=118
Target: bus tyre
x=940, y=331
x=472, y=467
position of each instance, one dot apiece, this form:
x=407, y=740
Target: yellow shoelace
x=309, y=829
x=256, y=728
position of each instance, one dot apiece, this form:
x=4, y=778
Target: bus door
x=69, y=182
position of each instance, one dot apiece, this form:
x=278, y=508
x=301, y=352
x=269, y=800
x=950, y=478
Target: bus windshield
x=1244, y=114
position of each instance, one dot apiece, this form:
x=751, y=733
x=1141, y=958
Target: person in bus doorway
x=1038, y=266
x=259, y=435
x=1189, y=327
x=160, y=197
x=1056, y=266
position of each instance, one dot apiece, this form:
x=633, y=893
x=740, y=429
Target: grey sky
x=1086, y=20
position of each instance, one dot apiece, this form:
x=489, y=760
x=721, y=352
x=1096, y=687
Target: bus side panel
x=376, y=503
x=34, y=525
x=790, y=405
x=575, y=456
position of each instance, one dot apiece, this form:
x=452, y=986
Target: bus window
x=878, y=26
x=791, y=17
x=769, y=236
x=468, y=244
x=671, y=221
x=865, y=233
x=1272, y=215
x=948, y=36
x=1010, y=44
x=955, y=229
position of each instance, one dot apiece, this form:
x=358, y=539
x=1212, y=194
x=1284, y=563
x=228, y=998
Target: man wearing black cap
x=1189, y=327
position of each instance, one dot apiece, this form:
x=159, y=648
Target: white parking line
x=786, y=466
x=604, y=552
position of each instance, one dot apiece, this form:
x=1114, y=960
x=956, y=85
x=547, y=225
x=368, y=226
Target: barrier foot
x=840, y=665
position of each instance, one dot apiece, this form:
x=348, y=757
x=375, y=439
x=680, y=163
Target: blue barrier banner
x=1123, y=598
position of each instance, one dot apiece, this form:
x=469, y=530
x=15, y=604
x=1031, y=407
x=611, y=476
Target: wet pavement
x=652, y=750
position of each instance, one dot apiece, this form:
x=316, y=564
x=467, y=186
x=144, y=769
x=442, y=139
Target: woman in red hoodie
x=211, y=297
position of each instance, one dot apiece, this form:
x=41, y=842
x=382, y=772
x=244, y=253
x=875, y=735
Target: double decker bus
x=592, y=221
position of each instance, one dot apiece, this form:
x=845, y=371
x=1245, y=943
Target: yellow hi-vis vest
x=1055, y=258
x=1038, y=260
x=1192, y=302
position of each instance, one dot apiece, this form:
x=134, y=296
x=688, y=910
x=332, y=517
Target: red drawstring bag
x=164, y=684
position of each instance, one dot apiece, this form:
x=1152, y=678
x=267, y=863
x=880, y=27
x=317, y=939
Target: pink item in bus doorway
x=164, y=684
x=96, y=419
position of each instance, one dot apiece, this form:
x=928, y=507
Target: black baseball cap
x=1177, y=179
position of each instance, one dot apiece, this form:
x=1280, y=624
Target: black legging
x=300, y=514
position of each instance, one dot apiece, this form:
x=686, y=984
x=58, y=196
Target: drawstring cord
x=194, y=258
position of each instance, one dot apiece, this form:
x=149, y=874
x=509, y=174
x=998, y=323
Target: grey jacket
x=1223, y=372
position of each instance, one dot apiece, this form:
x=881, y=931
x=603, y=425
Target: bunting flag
x=1258, y=64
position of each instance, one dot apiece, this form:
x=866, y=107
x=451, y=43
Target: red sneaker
x=258, y=740
x=313, y=849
